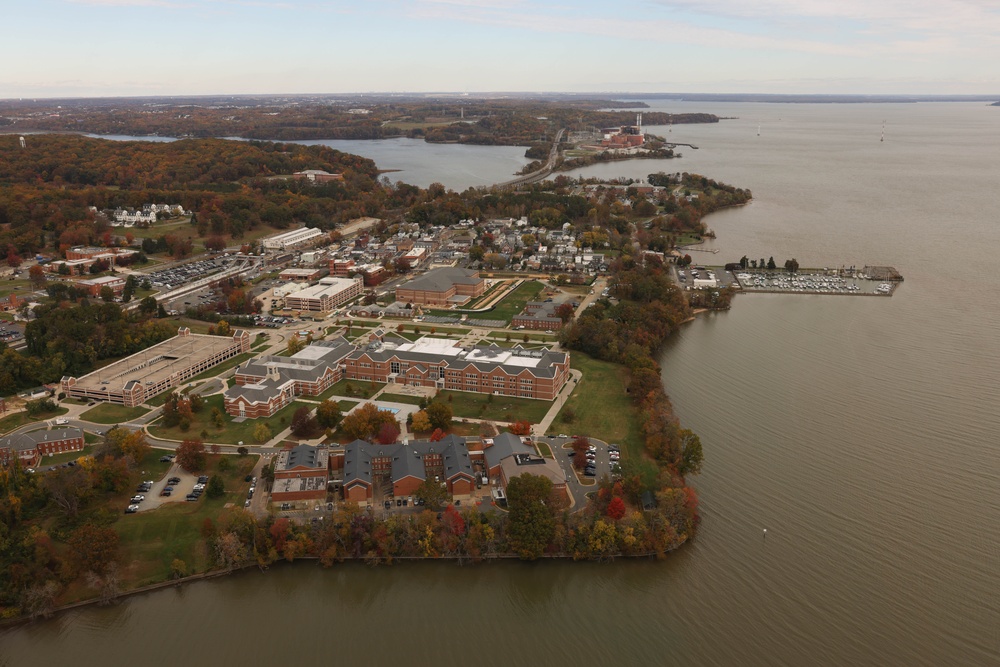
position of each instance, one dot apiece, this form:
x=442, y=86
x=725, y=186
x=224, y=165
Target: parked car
x=131, y=509
x=138, y=499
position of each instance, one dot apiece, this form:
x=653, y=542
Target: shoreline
x=216, y=574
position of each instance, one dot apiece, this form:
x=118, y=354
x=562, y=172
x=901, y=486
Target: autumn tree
x=530, y=525
x=303, y=423
x=68, y=488
x=216, y=487
x=564, y=312
x=439, y=415
x=433, y=493
x=127, y=444
x=387, y=433
x=191, y=455
x=328, y=414
x=437, y=435
x=616, y=508
x=36, y=274
x=522, y=428
x=262, y=432
x=421, y=422
x=691, y=453
x=364, y=422
x=93, y=548
x=295, y=345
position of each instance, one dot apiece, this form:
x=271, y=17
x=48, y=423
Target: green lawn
x=400, y=398
x=346, y=405
x=351, y=388
x=152, y=540
x=66, y=457
x=111, y=413
x=19, y=419
x=603, y=409
x=225, y=366
x=231, y=433
x=544, y=449
x=514, y=302
x=500, y=408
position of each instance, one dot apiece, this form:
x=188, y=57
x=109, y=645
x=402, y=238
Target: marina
x=870, y=281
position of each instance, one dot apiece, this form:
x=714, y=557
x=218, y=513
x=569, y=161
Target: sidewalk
x=550, y=416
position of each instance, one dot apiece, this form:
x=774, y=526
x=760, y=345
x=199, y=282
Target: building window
x=394, y=367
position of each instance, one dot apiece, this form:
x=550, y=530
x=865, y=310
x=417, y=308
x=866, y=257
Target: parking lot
x=579, y=483
x=185, y=273
x=180, y=489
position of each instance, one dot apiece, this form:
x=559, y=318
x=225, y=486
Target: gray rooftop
x=440, y=280
x=407, y=460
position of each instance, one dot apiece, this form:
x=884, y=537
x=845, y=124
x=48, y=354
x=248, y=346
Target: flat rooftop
x=323, y=289
x=298, y=484
x=446, y=347
x=156, y=363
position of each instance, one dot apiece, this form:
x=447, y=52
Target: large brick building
x=94, y=285
x=136, y=379
x=30, y=448
x=266, y=384
x=538, y=315
x=440, y=362
x=301, y=473
x=442, y=287
x=399, y=469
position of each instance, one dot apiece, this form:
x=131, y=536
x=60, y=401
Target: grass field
x=152, y=540
x=544, y=449
x=231, y=432
x=400, y=398
x=514, y=302
x=601, y=406
x=66, y=457
x=500, y=408
x=19, y=419
x=110, y=413
x=351, y=388
x=225, y=366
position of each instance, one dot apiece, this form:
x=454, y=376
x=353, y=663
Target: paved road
x=576, y=488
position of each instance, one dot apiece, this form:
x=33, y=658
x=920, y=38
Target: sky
x=95, y=48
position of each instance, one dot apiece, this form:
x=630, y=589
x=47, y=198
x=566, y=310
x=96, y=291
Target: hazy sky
x=160, y=47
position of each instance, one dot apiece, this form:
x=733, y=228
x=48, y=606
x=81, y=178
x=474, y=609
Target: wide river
x=863, y=433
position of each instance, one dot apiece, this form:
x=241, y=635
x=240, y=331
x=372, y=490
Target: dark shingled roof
x=407, y=460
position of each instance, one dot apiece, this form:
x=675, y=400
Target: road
x=540, y=174
x=578, y=490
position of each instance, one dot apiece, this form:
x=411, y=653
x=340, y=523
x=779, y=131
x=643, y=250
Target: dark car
x=190, y=497
x=174, y=480
x=164, y=459
x=590, y=473
x=166, y=492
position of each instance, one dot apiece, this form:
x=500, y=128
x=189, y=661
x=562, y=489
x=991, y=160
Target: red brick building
x=269, y=383
x=439, y=362
x=301, y=473
x=442, y=287
x=31, y=448
x=369, y=468
x=94, y=285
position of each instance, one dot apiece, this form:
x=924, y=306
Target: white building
x=293, y=239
